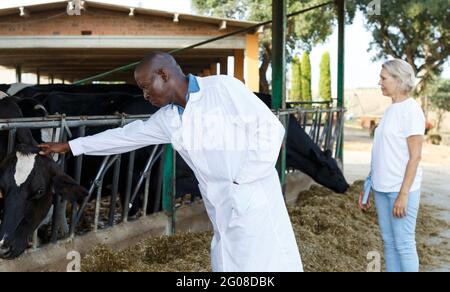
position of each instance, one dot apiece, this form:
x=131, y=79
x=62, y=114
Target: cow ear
x=328, y=153
x=317, y=154
x=68, y=189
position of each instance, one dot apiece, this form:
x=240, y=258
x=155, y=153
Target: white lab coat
x=231, y=140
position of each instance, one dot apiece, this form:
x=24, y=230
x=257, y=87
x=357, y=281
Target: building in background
x=46, y=41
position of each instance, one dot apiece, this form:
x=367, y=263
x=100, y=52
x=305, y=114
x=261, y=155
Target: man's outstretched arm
x=135, y=135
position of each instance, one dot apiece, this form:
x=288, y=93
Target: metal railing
x=323, y=125
x=63, y=125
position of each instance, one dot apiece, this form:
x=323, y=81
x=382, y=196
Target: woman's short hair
x=403, y=72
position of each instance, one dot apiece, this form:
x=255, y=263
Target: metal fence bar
x=97, y=204
x=146, y=193
x=78, y=169
x=92, y=188
x=126, y=204
x=56, y=210
x=168, y=189
x=115, y=190
x=159, y=187
x=95, y=121
x=11, y=140
x=147, y=168
x=319, y=123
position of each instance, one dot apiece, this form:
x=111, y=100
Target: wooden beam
x=239, y=64
x=252, y=62
x=213, y=69
x=18, y=73
x=224, y=66
x=38, y=76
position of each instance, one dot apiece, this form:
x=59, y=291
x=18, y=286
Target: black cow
x=34, y=90
x=4, y=87
x=84, y=104
x=303, y=154
x=28, y=184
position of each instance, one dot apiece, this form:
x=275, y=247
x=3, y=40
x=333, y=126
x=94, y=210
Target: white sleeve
x=263, y=128
x=414, y=123
x=135, y=135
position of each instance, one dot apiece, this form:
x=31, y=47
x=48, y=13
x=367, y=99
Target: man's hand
x=49, y=148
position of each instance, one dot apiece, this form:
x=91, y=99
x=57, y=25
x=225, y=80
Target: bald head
x=157, y=60
x=160, y=78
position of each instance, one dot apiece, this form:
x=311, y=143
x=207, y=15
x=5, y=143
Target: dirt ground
x=332, y=233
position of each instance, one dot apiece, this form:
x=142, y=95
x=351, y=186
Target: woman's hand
x=364, y=207
x=400, y=206
x=49, y=148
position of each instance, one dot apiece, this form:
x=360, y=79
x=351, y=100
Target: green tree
x=303, y=31
x=325, y=78
x=439, y=95
x=417, y=31
x=236, y=9
x=306, y=77
x=296, y=86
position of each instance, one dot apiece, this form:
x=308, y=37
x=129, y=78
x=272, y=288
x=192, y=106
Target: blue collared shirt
x=193, y=87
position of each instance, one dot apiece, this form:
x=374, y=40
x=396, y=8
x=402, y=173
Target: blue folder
x=367, y=189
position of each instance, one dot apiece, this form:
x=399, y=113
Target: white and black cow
x=28, y=185
x=10, y=110
x=24, y=182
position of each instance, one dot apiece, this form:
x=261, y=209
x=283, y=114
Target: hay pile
x=333, y=235
x=181, y=252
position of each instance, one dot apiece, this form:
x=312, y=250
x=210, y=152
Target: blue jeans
x=399, y=235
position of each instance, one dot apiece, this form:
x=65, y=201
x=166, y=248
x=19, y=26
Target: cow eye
x=39, y=193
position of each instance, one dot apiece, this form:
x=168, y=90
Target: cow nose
x=4, y=252
x=3, y=241
x=4, y=249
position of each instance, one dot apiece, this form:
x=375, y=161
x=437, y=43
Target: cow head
x=328, y=172
x=31, y=108
x=28, y=183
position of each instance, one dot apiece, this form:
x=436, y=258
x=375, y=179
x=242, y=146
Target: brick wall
x=103, y=22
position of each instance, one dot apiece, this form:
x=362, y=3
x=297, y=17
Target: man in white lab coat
x=231, y=140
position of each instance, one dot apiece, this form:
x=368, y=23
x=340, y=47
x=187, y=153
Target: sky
x=360, y=71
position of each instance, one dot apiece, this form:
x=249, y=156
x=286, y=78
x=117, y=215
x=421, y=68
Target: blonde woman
x=395, y=172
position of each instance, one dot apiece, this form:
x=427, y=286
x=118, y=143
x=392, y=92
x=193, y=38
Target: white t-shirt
x=390, y=154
